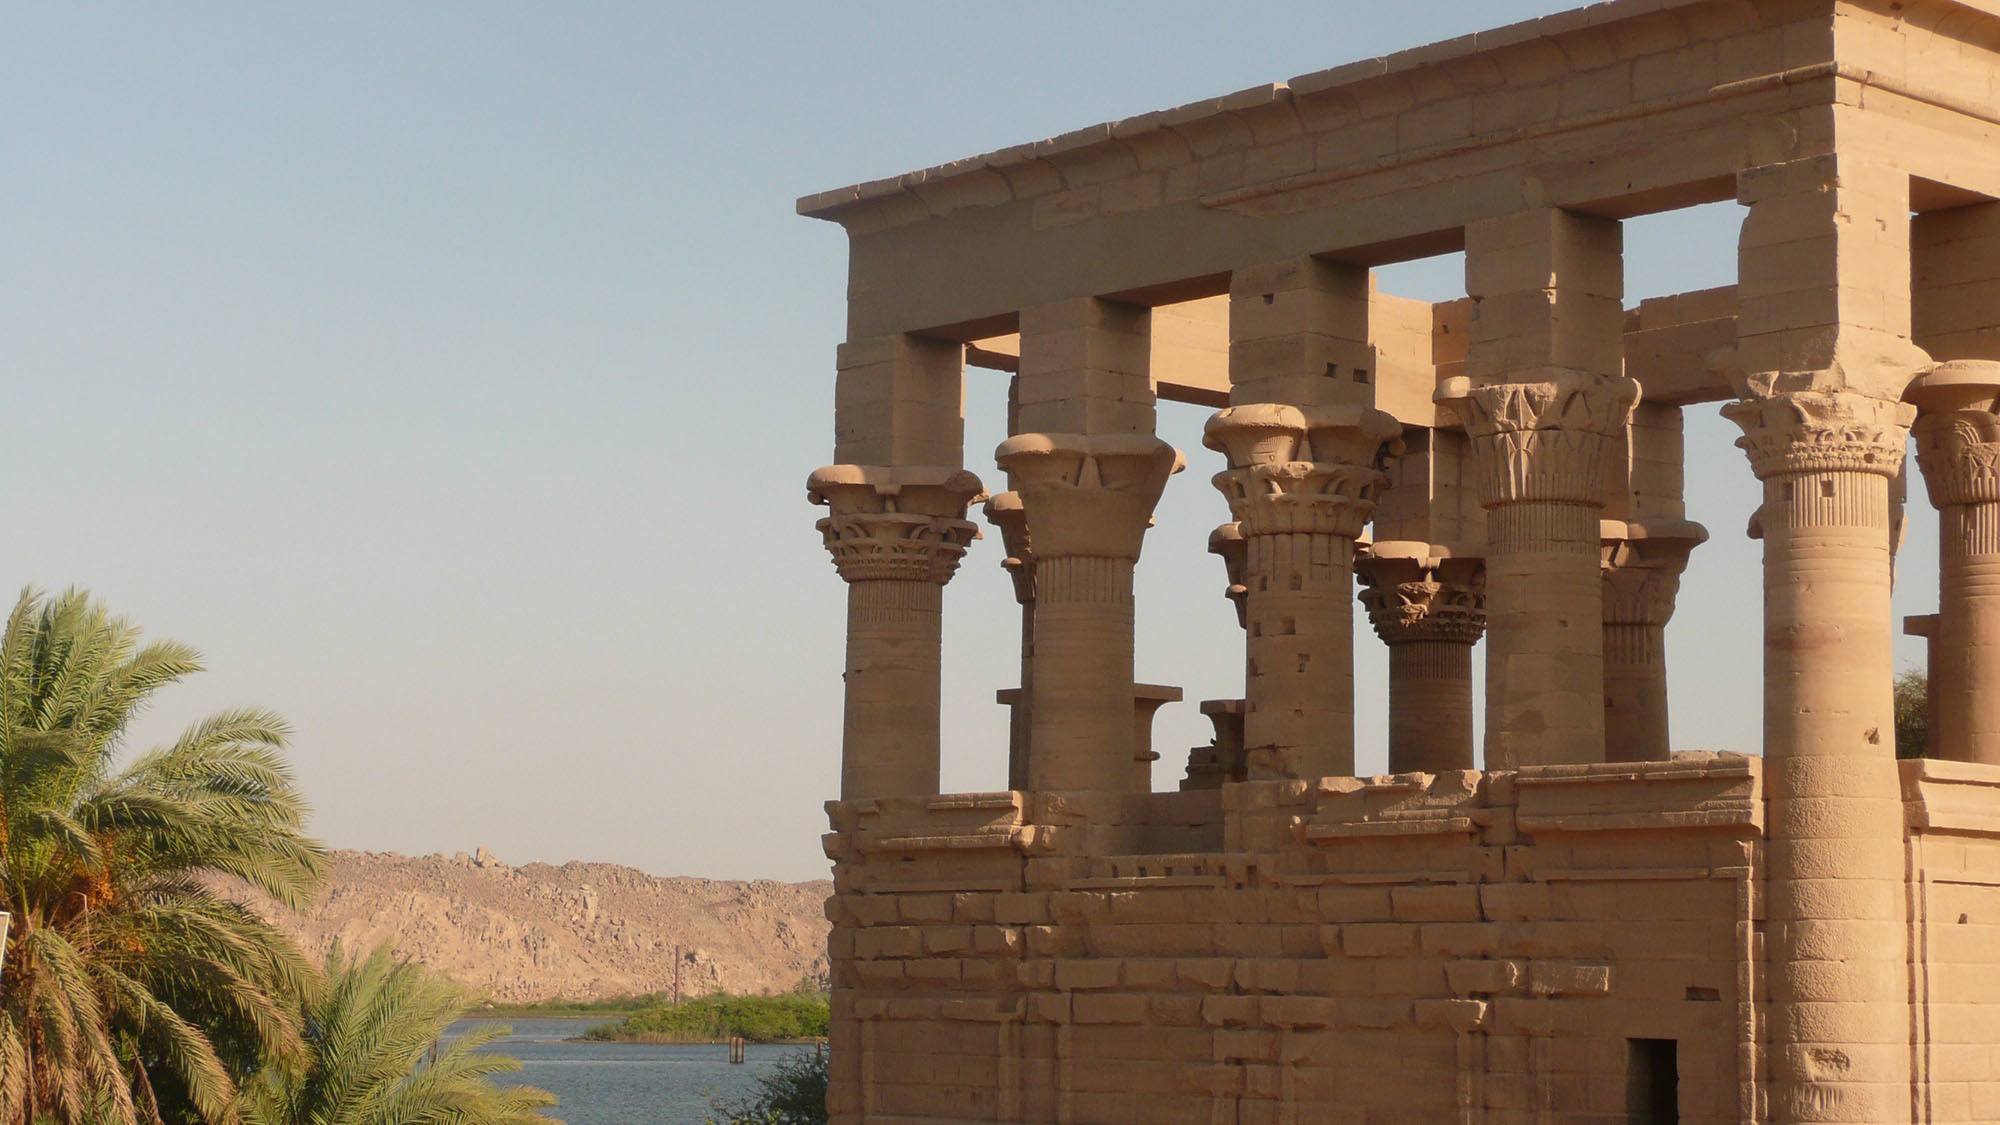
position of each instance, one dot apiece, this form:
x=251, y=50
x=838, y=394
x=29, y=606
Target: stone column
x=1823, y=355
x=1642, y=566
x=1301, y=486
x=896, y=536
x=1004, y=511
x=1958, y=449
x=1088, y=472
x=1542, y=449
x=1829, y=746
x=1306, y=451
x=1429, y=607
x=1546, y=407
x=1089, y=500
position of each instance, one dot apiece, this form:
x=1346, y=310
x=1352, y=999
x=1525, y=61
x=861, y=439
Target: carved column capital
x=1419, y=595
x=1795, y=432
x=1643, y=563
x=1958, y=431
x=1547, y=441
x=1088, y=495
x=1005, y=511
x=1227, y=543
x=1299, y=470
x=895, y=523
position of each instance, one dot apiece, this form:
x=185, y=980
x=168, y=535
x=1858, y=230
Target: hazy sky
x=449, y=374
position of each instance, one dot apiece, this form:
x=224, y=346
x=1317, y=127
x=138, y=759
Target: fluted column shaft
x=896, y=535
x=1836, y=938
x=1301, y=484
x=1958, y=448
x=1430, y=706
x=1543, y=450
x=1430, y=611
x=1087, y=501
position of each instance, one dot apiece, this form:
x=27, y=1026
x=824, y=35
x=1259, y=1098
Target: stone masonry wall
x=1452, y=948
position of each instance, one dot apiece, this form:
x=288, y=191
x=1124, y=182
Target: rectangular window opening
x=1652, y=1082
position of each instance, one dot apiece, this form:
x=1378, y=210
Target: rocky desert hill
x=577, y=932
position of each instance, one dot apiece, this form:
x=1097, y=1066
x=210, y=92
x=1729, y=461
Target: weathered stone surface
x=1582, y=924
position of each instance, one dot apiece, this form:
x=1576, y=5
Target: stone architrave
x=1301, y=484
x=896, y=536
x=1428, y=605
x=1087, y=501
x=1958, y=449
x=1642, y=564
x=1836, y=932
x=1543, y=453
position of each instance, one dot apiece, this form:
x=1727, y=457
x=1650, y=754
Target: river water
x=627, y=1083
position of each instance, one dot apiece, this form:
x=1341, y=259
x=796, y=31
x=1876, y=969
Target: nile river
x=627, y=1083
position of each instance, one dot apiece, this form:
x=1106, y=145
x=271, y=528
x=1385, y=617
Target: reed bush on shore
x=759, y=1019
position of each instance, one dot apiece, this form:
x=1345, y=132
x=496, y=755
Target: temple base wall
x=1555, y=945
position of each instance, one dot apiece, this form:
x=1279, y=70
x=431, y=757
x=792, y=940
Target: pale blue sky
x=449, y=373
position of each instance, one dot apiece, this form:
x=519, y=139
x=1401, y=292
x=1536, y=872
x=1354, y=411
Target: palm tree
x=131, y=990
x=376, y=1056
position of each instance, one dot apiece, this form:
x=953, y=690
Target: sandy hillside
x=579, y=931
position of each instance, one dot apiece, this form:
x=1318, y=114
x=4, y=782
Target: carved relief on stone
x=1958, y=431
x=1005, y=511
x=1821, y=432
x=1088, y=495
x=1549, y=441
x=897, y=524
x=1299, y=471
x=1424, y=598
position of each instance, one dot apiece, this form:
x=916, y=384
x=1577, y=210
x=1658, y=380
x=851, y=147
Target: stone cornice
x=1044, y=166
x=1789, y=433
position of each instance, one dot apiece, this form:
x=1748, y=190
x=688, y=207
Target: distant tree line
x=790, y=1017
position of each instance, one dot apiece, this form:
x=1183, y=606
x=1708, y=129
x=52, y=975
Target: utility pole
x=677, y=961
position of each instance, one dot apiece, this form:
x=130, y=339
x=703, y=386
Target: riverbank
x=789, y=1018
x=628, y=1083
x=668, y=1039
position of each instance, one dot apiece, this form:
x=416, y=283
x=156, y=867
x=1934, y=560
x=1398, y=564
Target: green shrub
x=760, y=1019
x=793, y=1093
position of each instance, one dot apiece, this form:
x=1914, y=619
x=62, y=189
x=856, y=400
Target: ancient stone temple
x=1572, y=923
